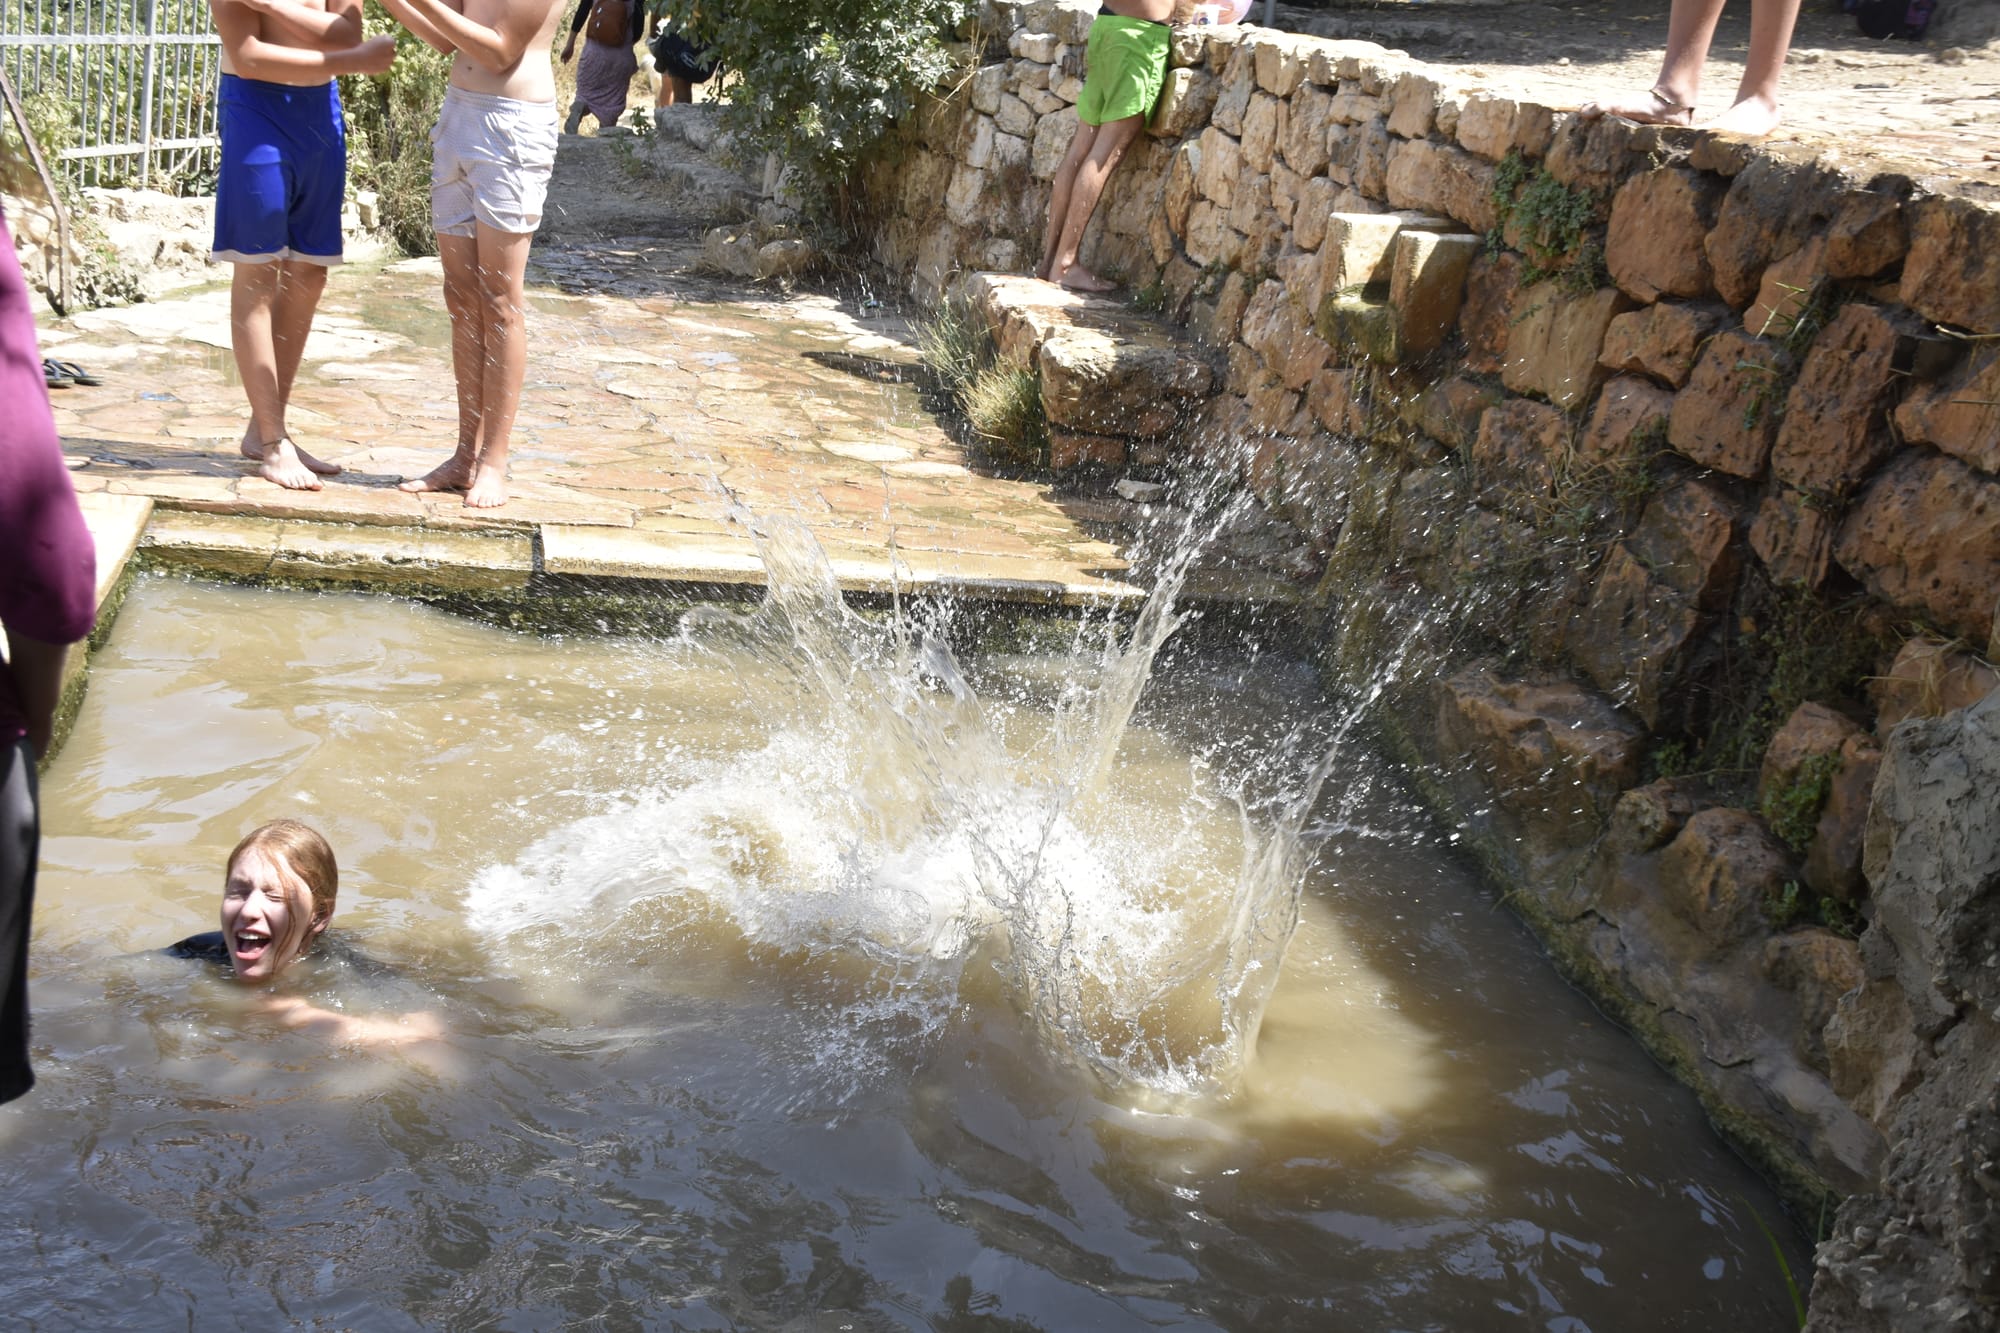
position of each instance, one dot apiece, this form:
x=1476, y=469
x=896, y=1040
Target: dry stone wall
x=1680, y=457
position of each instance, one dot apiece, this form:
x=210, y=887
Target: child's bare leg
x=673, y=90
x=299, y=287
x=460, y=258
x=1671, y=101
x=253, y=294
x=1107, y=149
x=1059, y=195
x=503, y=268
x=1755, y=110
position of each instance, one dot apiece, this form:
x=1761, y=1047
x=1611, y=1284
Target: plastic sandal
x=75, y=372
x=56, y=377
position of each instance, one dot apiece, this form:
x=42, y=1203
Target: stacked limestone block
x=1675, y=383
x=1116, y=389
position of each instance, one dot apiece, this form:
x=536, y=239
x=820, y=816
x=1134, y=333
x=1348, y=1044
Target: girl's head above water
x=277, y=897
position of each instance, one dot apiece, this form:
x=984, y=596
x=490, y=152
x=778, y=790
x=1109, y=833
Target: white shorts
x=490, y=162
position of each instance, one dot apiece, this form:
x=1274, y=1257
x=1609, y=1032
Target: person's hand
x=569, y=48
x=375, y=55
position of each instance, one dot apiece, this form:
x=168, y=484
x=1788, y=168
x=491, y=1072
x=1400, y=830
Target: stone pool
x=796, y=974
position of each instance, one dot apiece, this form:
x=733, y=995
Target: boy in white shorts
x=493, y=150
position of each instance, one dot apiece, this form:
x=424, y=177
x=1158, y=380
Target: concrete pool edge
x=557, y=576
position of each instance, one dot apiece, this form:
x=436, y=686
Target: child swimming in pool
x=278, y=895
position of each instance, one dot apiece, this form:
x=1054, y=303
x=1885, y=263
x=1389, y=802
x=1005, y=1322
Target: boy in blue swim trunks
x=278, y=197
x=1125, y=65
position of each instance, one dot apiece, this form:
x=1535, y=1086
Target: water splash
x=890, y=818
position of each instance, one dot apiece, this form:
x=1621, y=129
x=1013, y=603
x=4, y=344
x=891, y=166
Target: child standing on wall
x=1125, y=66
x=278, y=196
x=493, y=151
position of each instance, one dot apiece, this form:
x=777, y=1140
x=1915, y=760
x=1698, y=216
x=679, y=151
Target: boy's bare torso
x=1159, y=11
x=531, y=78
x=276, y=32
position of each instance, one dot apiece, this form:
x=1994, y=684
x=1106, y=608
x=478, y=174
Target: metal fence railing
x=124, y=88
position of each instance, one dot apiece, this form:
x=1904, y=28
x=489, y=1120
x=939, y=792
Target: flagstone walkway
x=657, y=403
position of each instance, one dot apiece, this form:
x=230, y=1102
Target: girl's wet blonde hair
x=304, y=851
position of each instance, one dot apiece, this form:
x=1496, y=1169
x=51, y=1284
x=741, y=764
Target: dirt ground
x=1929, y=106
x=1934, y=106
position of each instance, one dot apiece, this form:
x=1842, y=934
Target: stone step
x=1117, y=384
x=1390, y=284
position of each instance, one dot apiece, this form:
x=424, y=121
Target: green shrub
x=819, y=83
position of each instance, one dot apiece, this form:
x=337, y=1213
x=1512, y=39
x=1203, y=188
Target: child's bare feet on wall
x=279, y=462
x=1753, y=117
x=1080, y=279
x=252, y=450
x=1653, y=107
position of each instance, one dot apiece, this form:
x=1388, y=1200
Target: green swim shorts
x=1124, y=66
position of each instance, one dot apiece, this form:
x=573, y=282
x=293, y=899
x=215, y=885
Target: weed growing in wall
x=1794, y=648
x=1001, y=403
x=1797, y=905
x=1553, y=224
x=1792, y=810
x=1004, y=405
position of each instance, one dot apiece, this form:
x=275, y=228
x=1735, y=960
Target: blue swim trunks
x=284, y=172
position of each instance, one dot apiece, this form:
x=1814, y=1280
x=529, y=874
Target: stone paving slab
x=400, y=559
x=658, y=407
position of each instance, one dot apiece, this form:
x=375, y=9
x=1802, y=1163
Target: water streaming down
x=793, y=963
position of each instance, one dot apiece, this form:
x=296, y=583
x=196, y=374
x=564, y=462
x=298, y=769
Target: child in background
x=604, y=75
x=1125, y=66
x=278, y=196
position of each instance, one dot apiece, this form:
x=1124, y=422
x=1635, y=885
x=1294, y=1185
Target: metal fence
x=120, y=91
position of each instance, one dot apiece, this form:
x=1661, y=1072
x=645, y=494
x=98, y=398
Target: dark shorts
x=20, y=839
x=672, y=54
x=284, y=172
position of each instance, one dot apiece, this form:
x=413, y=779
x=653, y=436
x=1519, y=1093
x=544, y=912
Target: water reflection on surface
x=712, y=1063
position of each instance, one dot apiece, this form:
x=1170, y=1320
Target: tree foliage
x=819, y=83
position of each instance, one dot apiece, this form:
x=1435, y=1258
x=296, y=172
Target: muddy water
x=729, y=1045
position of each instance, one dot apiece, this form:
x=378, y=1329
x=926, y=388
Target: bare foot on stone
x=251, y=450
x=451, y=475
x=279, y=462
x=1653, y=107
x=488, y=489
x=1080, y=279
x=1753, y=117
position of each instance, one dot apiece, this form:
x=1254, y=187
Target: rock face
x=1921, y=1041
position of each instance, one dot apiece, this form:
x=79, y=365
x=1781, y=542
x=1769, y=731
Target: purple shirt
x=48, y=565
